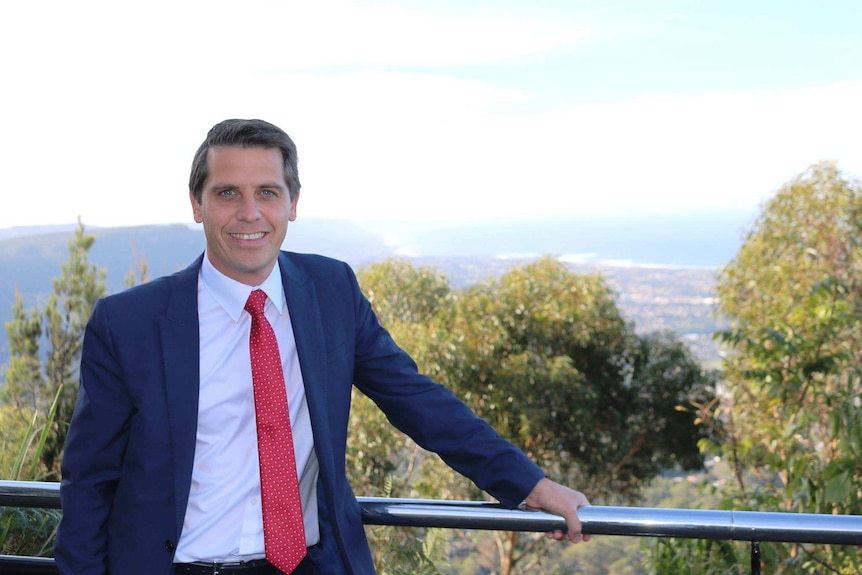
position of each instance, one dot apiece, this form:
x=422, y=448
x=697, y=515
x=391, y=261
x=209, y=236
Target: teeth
x=255, y=236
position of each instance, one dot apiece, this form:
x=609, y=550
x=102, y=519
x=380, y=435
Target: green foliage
x=47, y=384
x=27, y=531
x=405, y=550
x=551, y=363
x=400, y=292
x=40, y=393
x=28, y=464
x=700, y=557
x=793, y=433
x=399, y=551
x=24, y=380
x=139, y=276
x=546, y=357
x=381, y=461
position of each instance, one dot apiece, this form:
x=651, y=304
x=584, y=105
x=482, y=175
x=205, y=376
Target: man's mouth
x=254, y=236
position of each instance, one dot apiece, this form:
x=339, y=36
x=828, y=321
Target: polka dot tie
x=283, y=529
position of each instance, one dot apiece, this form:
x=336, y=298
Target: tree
x=35, y=382
x=545, y=356
x=592, y=399
x=793, y=427
x=558, y=371
x=24, y=380
x=381, y=461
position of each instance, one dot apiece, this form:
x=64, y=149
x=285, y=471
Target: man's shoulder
x=311, y=260
x=158, y=289
x=313, y=265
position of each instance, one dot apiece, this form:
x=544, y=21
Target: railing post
x=755, y=558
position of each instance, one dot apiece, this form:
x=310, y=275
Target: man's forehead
x=228, y=165
x=221, y=148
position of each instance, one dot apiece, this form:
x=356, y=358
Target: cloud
x=105, y=105
x=658, y=154
x=388, y=145
x=198, y=37
x=335, y=34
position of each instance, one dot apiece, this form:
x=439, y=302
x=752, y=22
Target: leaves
x=794, y=372
x=545, y=356
x=43, y=387
x=45, y=348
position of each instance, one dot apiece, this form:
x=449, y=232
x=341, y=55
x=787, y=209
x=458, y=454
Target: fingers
x=567, y=536
x=573, y=523
x=554, y=498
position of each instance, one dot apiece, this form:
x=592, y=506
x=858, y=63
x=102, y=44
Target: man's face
x=245, y=208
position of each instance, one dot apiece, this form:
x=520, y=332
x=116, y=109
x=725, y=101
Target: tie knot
x=256, y=301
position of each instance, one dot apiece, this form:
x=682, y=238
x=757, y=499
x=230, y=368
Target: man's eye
x=226, y=193
x=268, y=192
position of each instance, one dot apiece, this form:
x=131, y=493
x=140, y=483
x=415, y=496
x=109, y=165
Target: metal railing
x=752, y=526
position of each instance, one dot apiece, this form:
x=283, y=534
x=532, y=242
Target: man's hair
x=245, y=134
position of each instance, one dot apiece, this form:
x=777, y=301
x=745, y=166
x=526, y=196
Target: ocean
x=687, y=240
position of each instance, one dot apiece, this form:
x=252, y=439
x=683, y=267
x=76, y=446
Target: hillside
x=31, y=258
x=654, y=297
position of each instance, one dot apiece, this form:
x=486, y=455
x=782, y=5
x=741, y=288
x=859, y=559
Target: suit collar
x=232, y=295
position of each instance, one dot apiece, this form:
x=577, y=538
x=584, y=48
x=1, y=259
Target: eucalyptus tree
x=546, y=357
x=792, y=432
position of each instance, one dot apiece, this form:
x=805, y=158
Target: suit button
x=169, y=545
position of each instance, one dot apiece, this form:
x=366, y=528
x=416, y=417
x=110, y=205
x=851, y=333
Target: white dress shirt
x=224, y=521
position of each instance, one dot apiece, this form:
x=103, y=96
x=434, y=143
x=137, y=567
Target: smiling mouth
x=254, y=236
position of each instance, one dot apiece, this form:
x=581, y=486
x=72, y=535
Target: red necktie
x=283, y=529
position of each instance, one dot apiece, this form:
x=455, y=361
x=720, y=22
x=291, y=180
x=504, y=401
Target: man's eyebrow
x=220, y=187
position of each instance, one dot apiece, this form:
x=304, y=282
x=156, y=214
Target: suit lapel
x=304, y=311
x=181, y=352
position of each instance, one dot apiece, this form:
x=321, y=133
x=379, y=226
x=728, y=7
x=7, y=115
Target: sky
x=436, y=110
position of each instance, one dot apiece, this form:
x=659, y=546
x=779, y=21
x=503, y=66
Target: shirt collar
x=231, y=295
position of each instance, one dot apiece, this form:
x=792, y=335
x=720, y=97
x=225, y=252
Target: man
x=167, y=459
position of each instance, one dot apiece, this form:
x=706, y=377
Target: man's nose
x=248, y=209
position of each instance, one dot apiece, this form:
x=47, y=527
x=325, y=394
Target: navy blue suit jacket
x=130, y=448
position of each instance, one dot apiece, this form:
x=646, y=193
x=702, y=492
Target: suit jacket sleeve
x=431, y=415
x=93, y=455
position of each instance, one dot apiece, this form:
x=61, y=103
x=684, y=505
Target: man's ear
x=196, y=207
x=292, y=216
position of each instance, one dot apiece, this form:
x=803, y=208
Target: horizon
x=704, y=240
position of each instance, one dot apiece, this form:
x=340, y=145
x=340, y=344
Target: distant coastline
x=702, y=240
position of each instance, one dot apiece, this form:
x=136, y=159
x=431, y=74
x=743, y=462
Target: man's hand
x=560, y=500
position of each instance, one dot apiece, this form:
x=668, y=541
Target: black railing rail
x=753, y=526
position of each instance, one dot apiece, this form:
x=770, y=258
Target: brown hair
x=245, y=134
